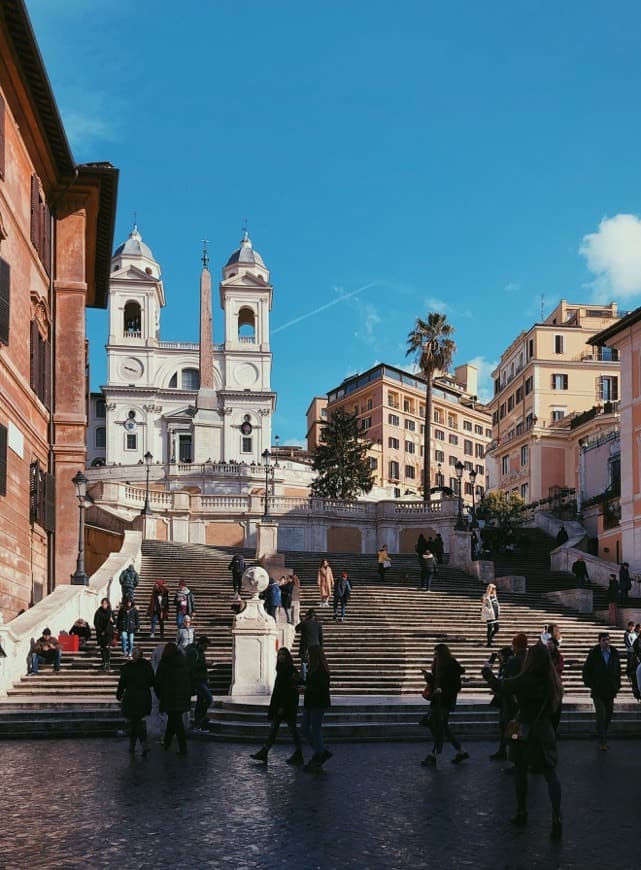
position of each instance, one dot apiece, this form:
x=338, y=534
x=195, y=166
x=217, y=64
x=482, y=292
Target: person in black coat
x=538, y=694
x=602, y=675
x=134, y=691
x=173, y=690
x=283, y=707
x=311, y=635
x=446, y=684
x=128, y=624
x=315, y=702
x=103, y=622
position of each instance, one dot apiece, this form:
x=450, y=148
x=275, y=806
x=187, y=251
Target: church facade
x=184, y=402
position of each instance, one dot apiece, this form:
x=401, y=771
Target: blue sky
x=464, y=157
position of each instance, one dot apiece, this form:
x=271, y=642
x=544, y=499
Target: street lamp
x=80, y=577
x=439, y=476
x=475, y=524
x=460, y=524
x=276, y=442
x=266, y=455
x=146, y=511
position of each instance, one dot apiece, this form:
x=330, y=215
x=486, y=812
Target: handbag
x=387, y=564
x=520, y=731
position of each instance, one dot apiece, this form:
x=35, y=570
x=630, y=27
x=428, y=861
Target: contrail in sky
x=323, y=307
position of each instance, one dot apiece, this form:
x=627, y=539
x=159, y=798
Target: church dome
x=246, y=255
x=134, y=245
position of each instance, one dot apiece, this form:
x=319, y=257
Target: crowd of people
x=526, y=689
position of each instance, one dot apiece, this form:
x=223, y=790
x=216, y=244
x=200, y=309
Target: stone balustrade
x=60, y=610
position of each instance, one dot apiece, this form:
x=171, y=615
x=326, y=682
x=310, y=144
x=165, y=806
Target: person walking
x=272, y=598
x=438, y=548
x=562, y=536
x=134, y=692
x=504, y=703
x=384, y=561
x=103, y=622
x=420, y=549
x=128, y=625
x=128, y=582
x=342, y=591
x=196, y=659
x=428, y=570
x=185, y=635
x=237, y=568
x=490, y=612
x=286, y=589
x=283, y=707
x=184, y=602
x=613, y=599
x=445, y=686
x=538, y=694
x=602, y=676
x=311, y=635
x=158, y=609
x=173, y=690
x=315, y=702
x=325, y=581
x=295, y=611
x=580, y=571
x=625, y=584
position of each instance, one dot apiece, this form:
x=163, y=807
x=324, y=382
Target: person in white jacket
x=490, y=612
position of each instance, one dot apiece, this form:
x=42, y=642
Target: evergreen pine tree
x=341, y=459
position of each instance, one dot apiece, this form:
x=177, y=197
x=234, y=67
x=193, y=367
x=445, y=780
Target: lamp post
x=146, y=511
x=475, y=524
x=439, y=476
x=266, y=455
x=80, y=577
x=460, y=524
x=276, y=442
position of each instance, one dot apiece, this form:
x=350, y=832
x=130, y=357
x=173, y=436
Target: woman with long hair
x=490, y=612
x=446, y=684
x=283, y=707
x=173, y=688
x=316, y=701
x=325, y=580
x=538, y=693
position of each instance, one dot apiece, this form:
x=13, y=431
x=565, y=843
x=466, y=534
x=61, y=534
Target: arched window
x=101, y=437
x=173, y=381
x=101, y=408
x=190, y=379
x=246, y=325
x=132, y=319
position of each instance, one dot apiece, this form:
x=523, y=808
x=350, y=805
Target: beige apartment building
x=390, y=404
x=547, y=377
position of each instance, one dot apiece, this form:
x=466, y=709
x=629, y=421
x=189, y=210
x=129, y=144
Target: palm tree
x=430, y=344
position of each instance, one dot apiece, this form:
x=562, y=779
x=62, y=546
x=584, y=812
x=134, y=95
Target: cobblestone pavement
x=86, y=803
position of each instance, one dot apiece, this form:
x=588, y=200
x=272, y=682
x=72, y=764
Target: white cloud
x=512, y=287
x=613, y=255
x=432, y=303
x=84, y=130
x=485, y=368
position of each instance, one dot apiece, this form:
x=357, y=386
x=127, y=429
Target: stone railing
x=60, y=610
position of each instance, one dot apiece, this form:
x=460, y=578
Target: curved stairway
x=375, y=656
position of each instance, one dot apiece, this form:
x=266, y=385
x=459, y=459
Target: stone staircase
x=375, y=656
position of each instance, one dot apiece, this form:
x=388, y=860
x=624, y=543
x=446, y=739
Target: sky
x=482, y=160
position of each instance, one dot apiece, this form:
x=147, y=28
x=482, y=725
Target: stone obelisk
x=207, y=426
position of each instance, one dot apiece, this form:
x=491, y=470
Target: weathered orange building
x=56, y=233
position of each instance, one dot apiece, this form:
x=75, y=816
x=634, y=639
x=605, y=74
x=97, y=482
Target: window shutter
x=46, y=394
x=34, y=356
x=34, y=491
x=45, y=252
x=2, y=138
x=35, y=212
x=599, y=388
x=49, y=519
x=3, y=459
x=5, y=300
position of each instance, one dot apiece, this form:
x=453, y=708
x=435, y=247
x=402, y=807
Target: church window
x=190, y=379
x=101, y=436
x=131, y=442
x=101, y=408
x=246, y=325
x=132, y=319
x=173, y=381
x=246, y=445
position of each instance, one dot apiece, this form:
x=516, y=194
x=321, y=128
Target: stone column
x=255, y=641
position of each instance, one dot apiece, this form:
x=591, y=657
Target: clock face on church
x=131, y=369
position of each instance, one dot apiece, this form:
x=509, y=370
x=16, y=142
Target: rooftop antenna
x=205, y=257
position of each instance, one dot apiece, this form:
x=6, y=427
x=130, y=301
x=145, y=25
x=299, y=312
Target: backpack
x=238, y=563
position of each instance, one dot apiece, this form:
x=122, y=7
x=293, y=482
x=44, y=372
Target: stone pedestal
x=482, y=569
x=578, y=599
x=256, y=639
x=511, y=583
x=267, y=541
